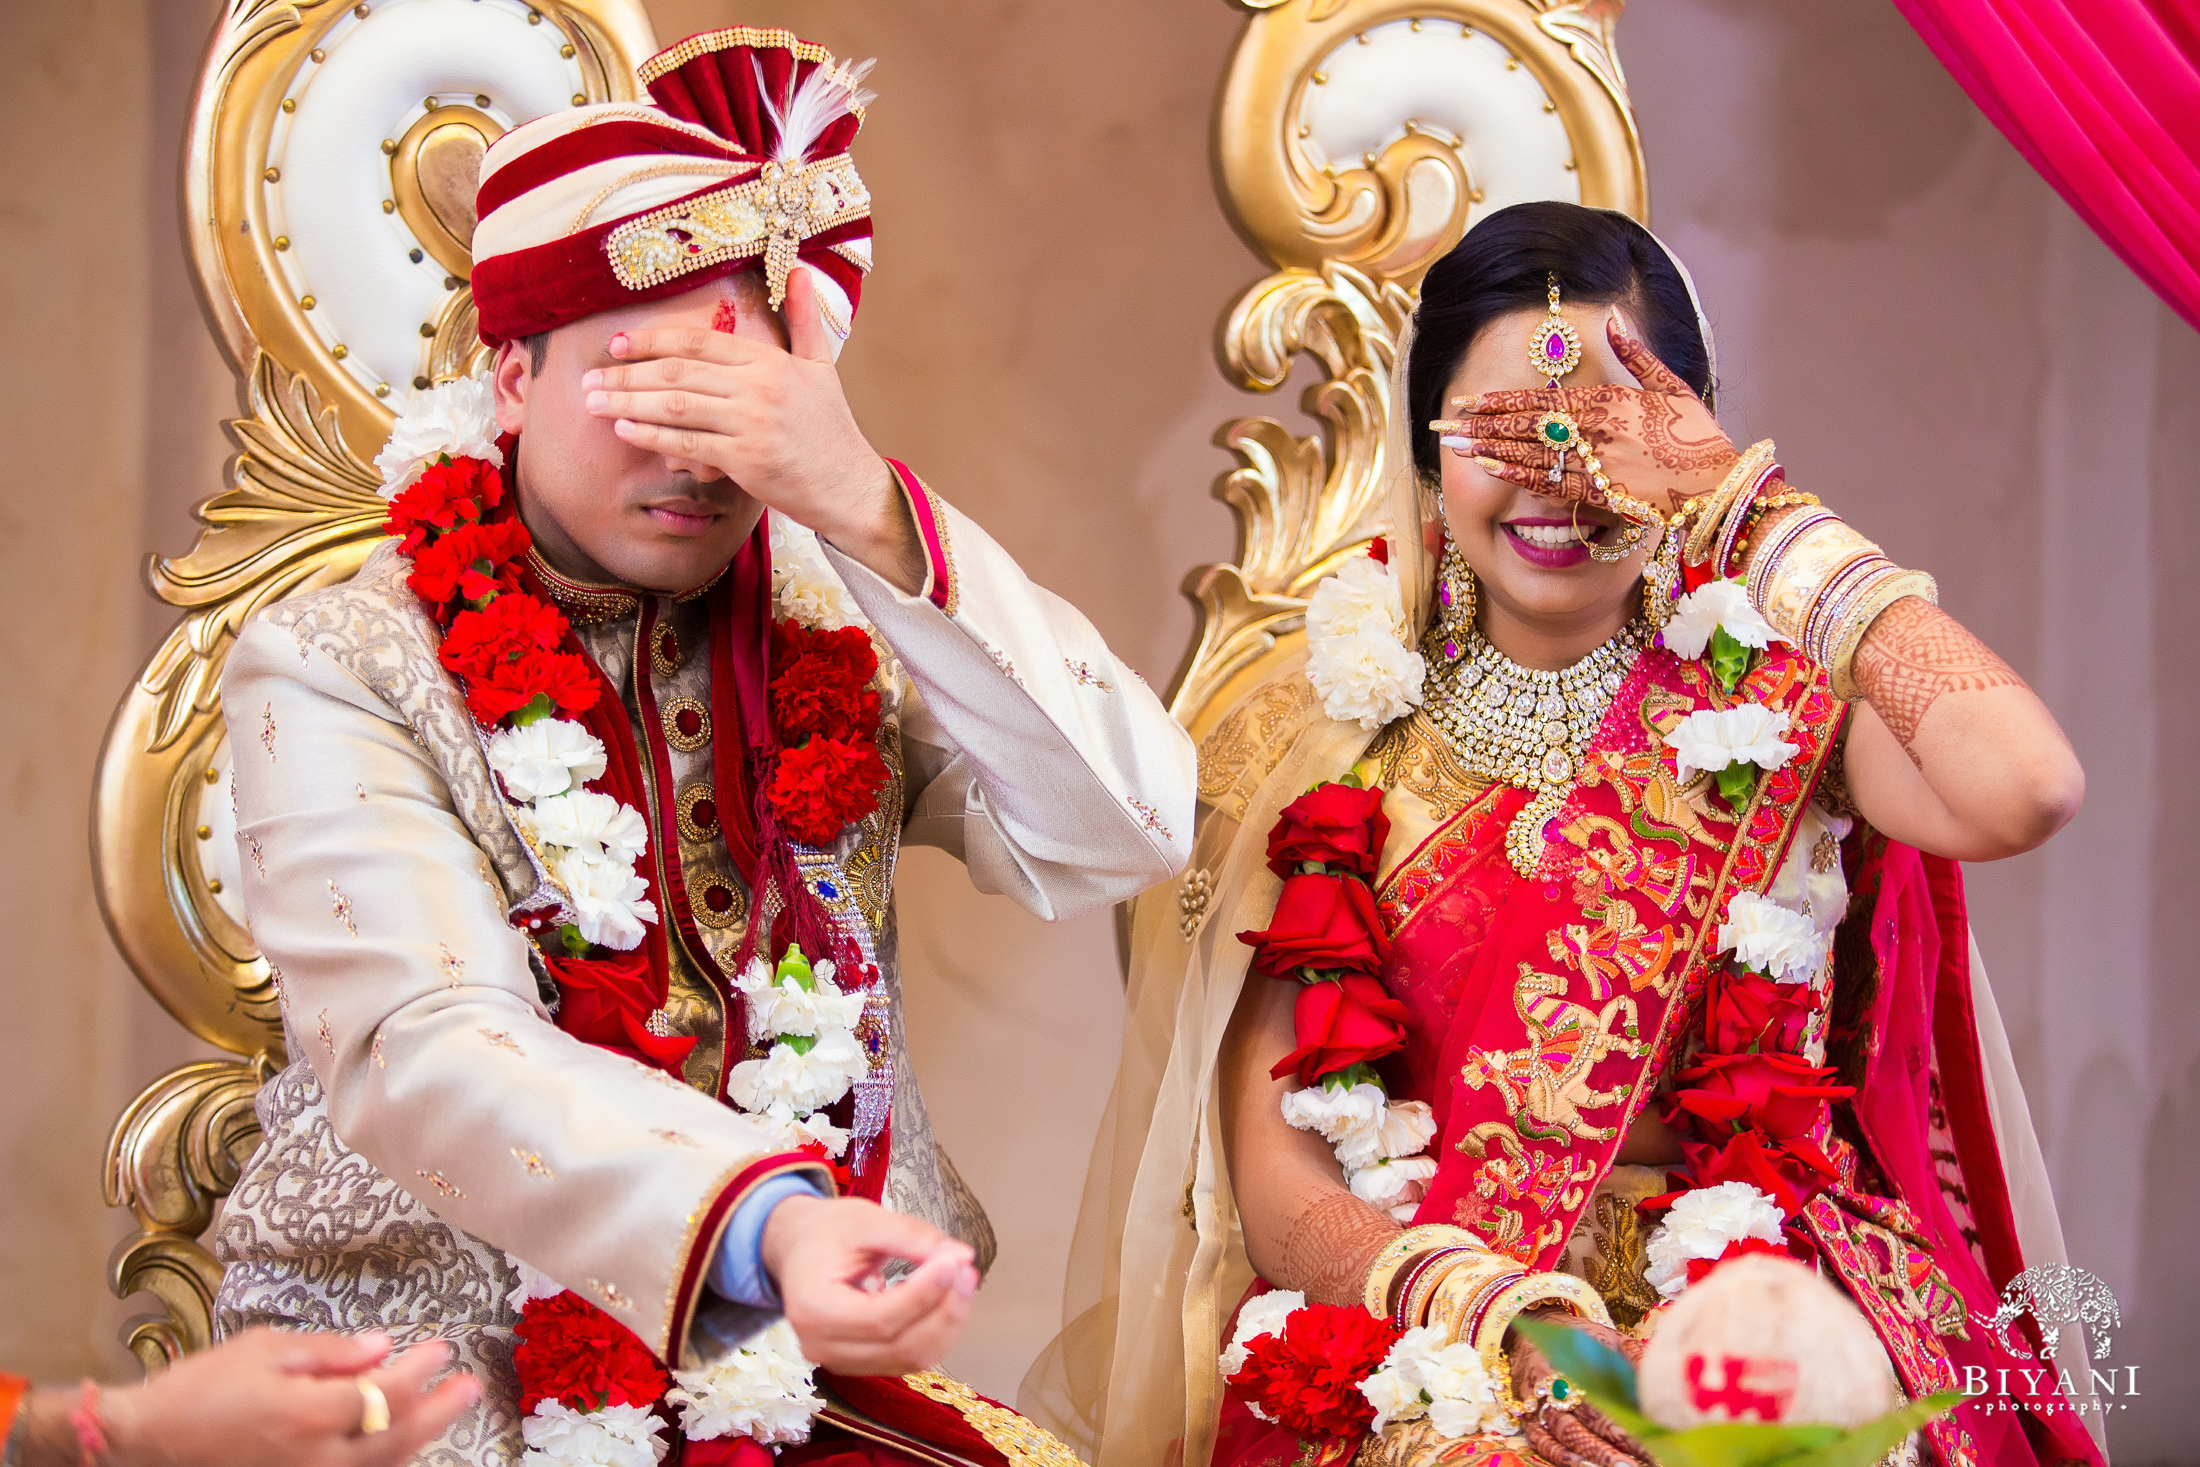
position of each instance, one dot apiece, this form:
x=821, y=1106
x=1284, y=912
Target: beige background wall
x=1942, y=350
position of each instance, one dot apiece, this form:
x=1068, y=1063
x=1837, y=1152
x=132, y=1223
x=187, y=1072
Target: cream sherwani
x=432, y=1119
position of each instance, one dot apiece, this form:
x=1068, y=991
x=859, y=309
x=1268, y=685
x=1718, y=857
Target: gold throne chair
x=328, y=179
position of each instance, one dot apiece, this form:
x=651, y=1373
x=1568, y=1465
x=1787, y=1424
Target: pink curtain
x=2103, y=98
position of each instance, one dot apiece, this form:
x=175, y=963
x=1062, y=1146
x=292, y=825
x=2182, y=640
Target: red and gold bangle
x=1394, y=1255
x=1722, y=504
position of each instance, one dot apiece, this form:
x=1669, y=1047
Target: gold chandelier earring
x=1457, y=600
x=1662, y=576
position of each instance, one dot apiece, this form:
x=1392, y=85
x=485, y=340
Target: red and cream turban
x=742, y=162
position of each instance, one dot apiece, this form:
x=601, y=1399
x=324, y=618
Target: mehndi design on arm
x=1329, y=1247
x=1915, y=653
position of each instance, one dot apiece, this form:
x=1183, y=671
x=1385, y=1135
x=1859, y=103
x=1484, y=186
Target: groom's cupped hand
x=828, y=1258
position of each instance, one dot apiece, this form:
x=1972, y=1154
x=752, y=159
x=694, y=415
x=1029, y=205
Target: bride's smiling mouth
x=1553, y=544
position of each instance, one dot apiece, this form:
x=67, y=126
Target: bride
x=1584, y=911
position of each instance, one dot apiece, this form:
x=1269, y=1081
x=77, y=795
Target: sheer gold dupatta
x=1159, y=1261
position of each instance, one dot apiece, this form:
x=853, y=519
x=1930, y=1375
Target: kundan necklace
x=1517, y=725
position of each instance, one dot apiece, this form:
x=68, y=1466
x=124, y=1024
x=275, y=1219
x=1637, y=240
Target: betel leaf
x=1738, y=1444
x=1729, y=658
x=1874, y=1439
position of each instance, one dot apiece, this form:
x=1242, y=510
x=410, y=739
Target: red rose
x=824, y=785
x=1340, y=1023
x=472, y=562
x=573, y=1352
x=1789, y=1172
x=446, y=495
x=1308, y=1377
x=607, y=1002
x=1745, y=1011
x=1326, y=923
x=1331, y=825
x=511, y=625
x=1778, y=1094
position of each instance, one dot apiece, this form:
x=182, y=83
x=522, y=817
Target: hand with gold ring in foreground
x=264, y=1399
x=1562, y=1427
x=1657, y=442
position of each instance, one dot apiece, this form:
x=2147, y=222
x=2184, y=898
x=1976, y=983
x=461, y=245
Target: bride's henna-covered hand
x=1915, y=653
x=1657, y=442
x=1576, y=1434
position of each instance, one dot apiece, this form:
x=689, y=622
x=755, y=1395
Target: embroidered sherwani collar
x=586, y=603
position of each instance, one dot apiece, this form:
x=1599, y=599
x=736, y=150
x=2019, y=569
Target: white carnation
x=533, y=1283
x=805, y=1082
x=547, y=757
x=1766, y=936
x=1407, y=1126
x=459, y=418
x=1337, y=1113
x=1711, y=740
x=586, y=820
x=1462, y=1398
x=615, y=1436
x=787, y=1131
x=762, y=1391
x=1394, y=1396
x=1262, y=1316
x=1703, y=1223
x=803, y=581
x=1361, y=599
x=1357, y=659
x=776, y=1007
x=1368, y=679
x=1382, y=1184
x=1707, y=608
x=609, y=900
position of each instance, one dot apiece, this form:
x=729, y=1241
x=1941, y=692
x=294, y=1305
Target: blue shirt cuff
x=738, y=1271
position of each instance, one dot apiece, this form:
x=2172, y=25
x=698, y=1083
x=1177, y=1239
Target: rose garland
x=1327, y=936
x=591, y=1390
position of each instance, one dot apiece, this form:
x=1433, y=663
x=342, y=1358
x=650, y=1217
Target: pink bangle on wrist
x=91, y=1432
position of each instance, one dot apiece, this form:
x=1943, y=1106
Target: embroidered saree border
x=1626, y=927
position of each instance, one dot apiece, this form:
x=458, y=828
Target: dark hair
x=1600, y=257
x=538, y=352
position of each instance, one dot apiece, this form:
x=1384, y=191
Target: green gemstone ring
x=1558, y=430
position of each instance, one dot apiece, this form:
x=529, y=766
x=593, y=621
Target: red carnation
x=1700, y=1268
x=1330, y=825
x=501, y=632
x=822, y=786
x=564, y=678
x=842, y=655
x=804, y=705
x=446, y=495
x=1778, y=1094
x=572, y=1352
x=1326, y=923
x=1745, y=1011
x=1340, y=1023
x=1308, y=1377
x=471, y=561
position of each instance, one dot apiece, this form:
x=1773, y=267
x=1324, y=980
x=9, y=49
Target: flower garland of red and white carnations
x=1749, y=1098
x=591, y=1392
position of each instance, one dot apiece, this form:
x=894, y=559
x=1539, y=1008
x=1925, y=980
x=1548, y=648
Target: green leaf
x=575, y=944
x=799, y=1043
x=1874, y=1439
x=796, y=965
x=1729, y=658
x=1361, y=1073
x=1602, y=1372
x=538, y=708
x=1739, y=1444
x=1735, y=783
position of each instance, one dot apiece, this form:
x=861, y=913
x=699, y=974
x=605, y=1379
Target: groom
x=516, y=1077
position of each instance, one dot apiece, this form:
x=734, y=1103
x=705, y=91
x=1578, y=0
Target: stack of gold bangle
x=1445, y=1276
x=1822, y=585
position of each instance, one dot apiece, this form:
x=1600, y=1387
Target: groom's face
x=600, y=508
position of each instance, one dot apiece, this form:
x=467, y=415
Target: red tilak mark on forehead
x=726, y=317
